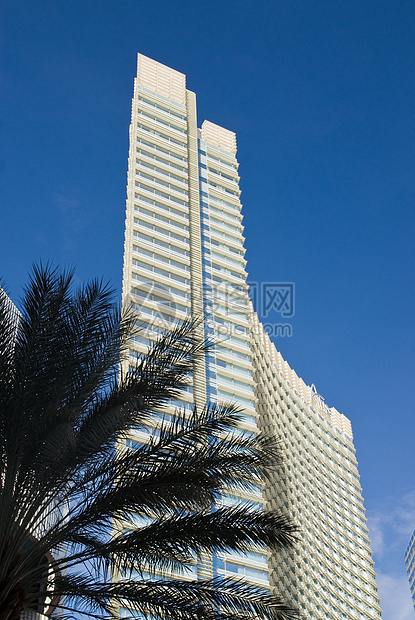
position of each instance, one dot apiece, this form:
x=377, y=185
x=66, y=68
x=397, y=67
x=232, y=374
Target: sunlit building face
x=184, y=258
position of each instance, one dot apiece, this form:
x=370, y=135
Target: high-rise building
x=410, y=565
x=184, y=257
x=330, y=572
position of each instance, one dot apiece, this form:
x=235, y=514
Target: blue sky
x=322, y=98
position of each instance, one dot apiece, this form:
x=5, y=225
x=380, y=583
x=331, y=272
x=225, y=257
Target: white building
x=330, y=573
x=410, y=565
x=184, y=257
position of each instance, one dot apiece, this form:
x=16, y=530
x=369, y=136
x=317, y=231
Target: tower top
x=219, y=136
x=161, y=79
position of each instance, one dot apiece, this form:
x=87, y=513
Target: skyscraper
x=330, y=572
x=184, y=257
x=410, y=565
x=184, y=254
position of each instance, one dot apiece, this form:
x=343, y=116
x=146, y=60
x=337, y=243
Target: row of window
x=153, y=241
x=162, y=231
x=235, y=384
x=260, y=557
x=237, y=291
x=163, y=136
x=162, y=108
x=228, y=311
x=227, y=327
x=161, y=218
x=221, y=212
x=222, y=222
x=227, y=248
x=146, y=296
x=240, y=276
x=243, y=571
x=159, y=205
x=160, y=149
x=168, y=289
x=161, y=160
x=231, y=353
x=225, y=203
x=226, y=259
x=166, y=320
x=222, y=161
x=230, y=397
x=169, y=186
x=221, y=188
x=224, y=235
x=153, y=190
x=161, y=121
x=234, y=368
x=229, y=300
x=161, y=272
x=159, y=257
x=221, y=174
x=232, y=339
x=166, y=173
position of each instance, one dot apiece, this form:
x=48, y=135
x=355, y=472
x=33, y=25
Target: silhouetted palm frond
x=88, y=523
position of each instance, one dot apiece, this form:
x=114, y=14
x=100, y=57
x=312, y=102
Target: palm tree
x=68, y=478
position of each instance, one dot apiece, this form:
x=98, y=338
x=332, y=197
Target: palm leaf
x=67, y=475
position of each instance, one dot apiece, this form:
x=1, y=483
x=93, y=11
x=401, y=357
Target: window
x=243, y=571
x=164, y=109
x=161, y=150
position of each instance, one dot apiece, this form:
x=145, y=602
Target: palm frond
x=219, y=598
x=67, y=475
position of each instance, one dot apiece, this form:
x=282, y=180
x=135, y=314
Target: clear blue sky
x=322, y=98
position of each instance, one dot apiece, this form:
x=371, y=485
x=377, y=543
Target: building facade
x=410, y=565
x=184, y=257
x=330, y=573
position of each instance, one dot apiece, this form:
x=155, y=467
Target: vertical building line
x=204, y=568
x=196, y=276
